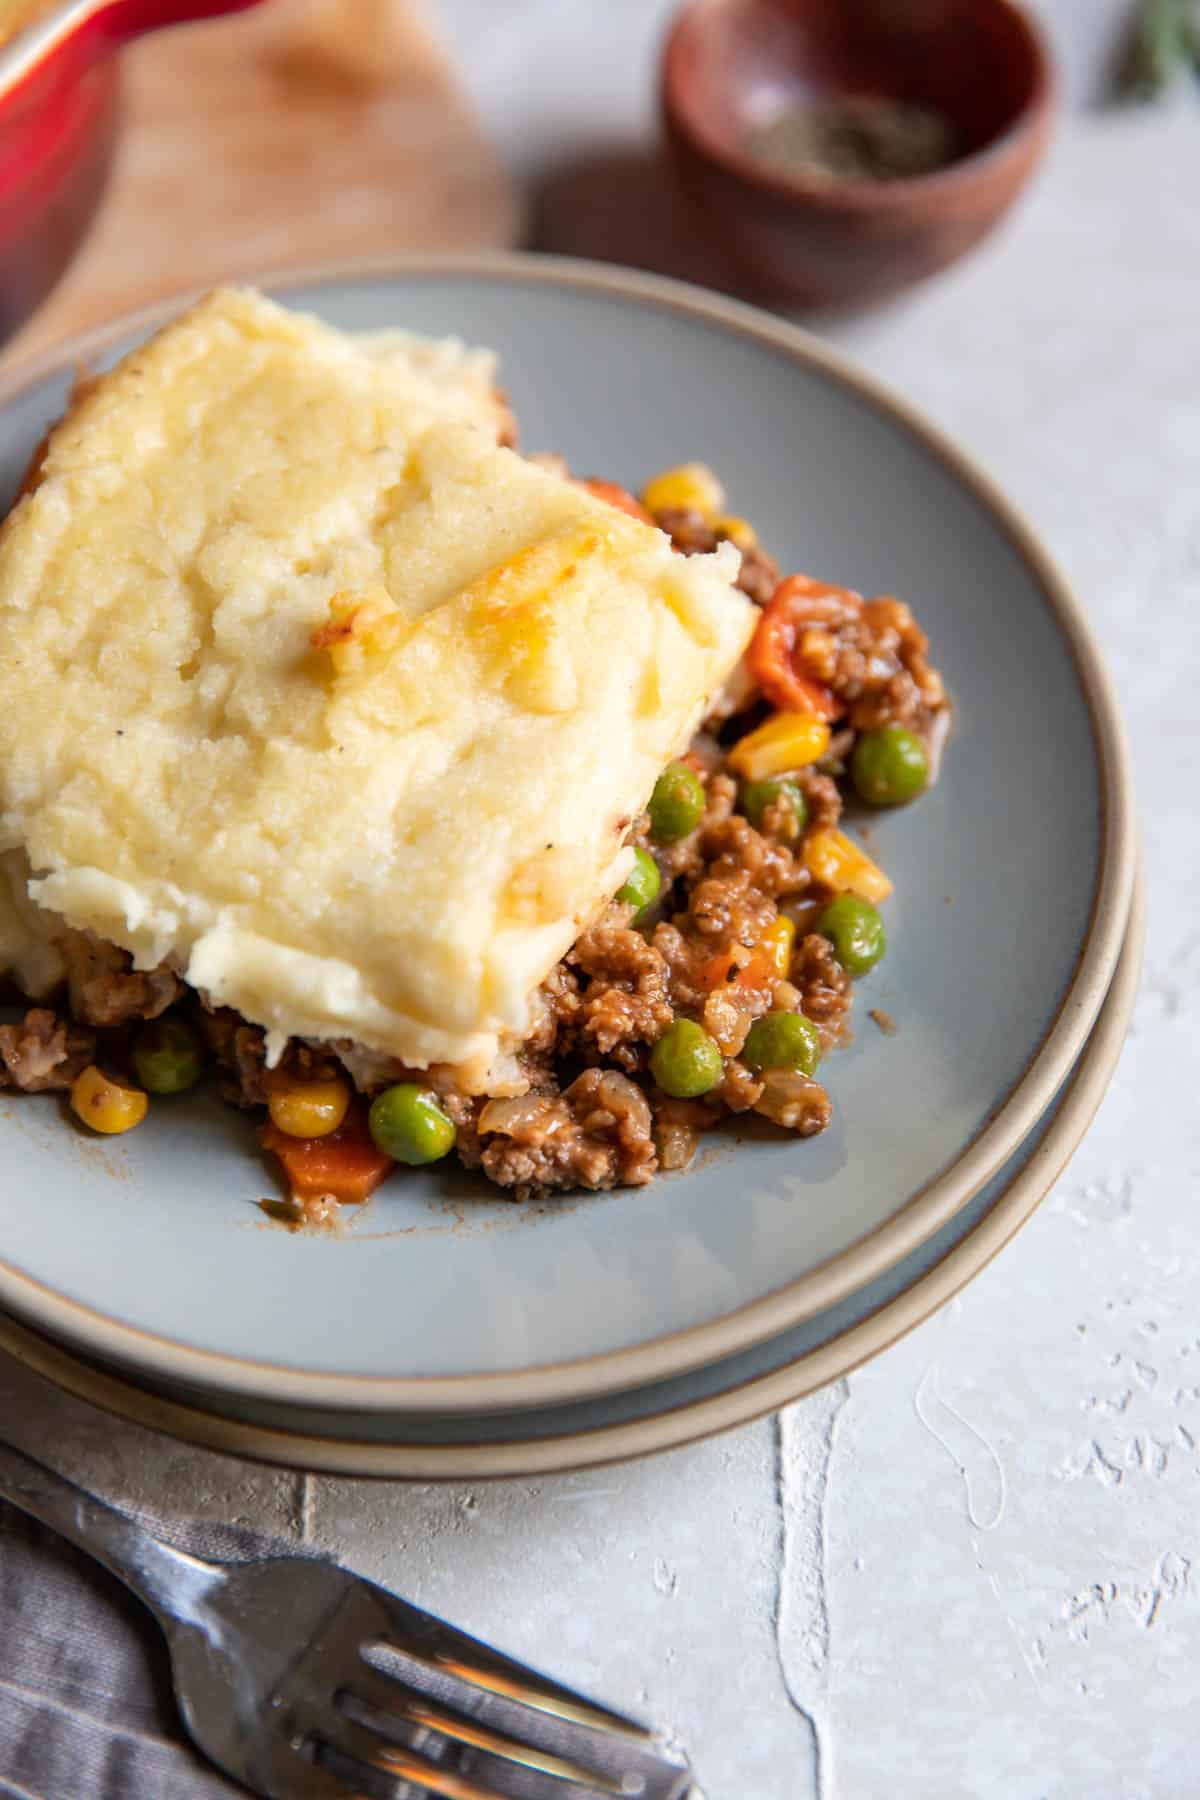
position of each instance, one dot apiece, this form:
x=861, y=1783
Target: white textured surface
x=974, y=1569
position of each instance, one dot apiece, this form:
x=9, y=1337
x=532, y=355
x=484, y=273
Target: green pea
x=890, y=767
x=643, y=881
x=686, y=1062
x=856, y=932
x=677, y=803
x=167, y=1057
x=758, y=795
x=408, y=1125
x=783, y=1040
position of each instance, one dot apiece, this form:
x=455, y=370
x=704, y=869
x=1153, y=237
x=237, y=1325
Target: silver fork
x=307, y=1683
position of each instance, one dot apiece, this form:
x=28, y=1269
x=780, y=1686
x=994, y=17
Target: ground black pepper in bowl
x=856, y=137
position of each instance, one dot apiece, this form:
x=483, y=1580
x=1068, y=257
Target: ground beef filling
x=104, y=989
x=690, y=532
x=43, y=1053
x=593, y=1116
x=873, y=656
x=596, y=1133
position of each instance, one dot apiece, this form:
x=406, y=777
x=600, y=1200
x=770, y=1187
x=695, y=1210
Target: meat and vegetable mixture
x=715, y=983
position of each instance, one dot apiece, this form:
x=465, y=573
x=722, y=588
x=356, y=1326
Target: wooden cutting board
x=299, y=132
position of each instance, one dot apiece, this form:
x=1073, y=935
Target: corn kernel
x=690, y=488
x=106, y=1105
x=836, y=863
x=739, y=531
x=776, y=942
x=788, y=740
x=308, y=1109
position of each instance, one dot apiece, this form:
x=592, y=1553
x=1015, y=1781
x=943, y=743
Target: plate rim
x=923, y=1213
x=675, y=1427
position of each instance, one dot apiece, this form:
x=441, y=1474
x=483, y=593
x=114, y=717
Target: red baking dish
x=59, y=112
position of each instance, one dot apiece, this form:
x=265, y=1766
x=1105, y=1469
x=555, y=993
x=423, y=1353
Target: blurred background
x=822, y=155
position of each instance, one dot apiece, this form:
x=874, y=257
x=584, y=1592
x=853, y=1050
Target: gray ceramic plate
x=1013, y=880
x=664, y=1413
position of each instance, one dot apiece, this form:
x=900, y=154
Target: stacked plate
x=451, y=1333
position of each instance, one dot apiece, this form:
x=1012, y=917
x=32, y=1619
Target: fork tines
x=397, y=1705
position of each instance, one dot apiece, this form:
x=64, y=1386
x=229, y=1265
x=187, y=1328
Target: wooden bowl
x=832, y=242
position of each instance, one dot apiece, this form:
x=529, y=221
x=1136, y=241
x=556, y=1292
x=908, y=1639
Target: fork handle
x=157, y=1574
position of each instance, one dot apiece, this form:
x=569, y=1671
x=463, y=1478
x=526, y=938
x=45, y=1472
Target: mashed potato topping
x=311, y=690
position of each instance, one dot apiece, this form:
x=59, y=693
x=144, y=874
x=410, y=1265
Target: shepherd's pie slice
x=327, y=701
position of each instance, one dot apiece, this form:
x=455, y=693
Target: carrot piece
x=619, y=497
x=797, y=602
x=344, y=1166
x=738, y=967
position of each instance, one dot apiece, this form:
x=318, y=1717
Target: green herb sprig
x=1164, y=42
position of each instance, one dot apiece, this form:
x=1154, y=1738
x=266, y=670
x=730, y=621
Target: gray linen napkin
x=86, y=1708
